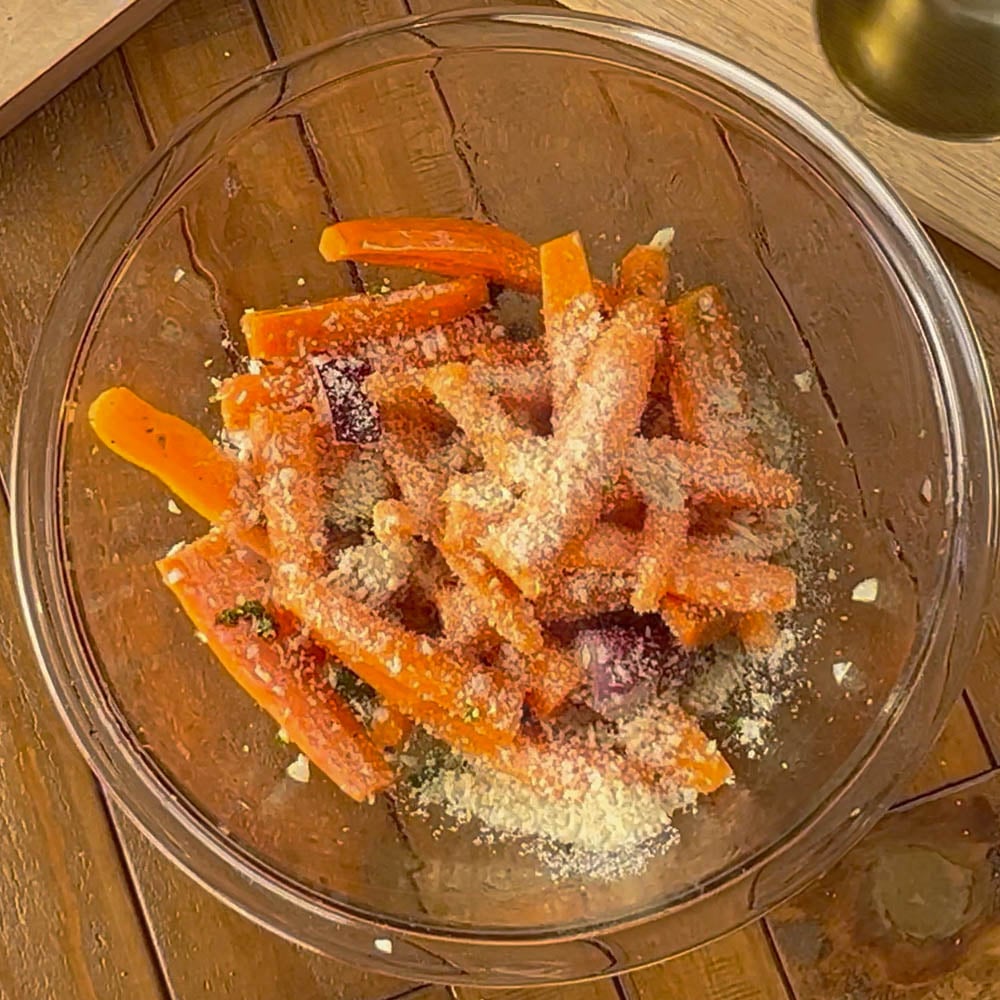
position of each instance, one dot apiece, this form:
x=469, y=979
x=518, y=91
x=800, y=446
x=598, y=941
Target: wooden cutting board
x=953, y=187
x=44, y=44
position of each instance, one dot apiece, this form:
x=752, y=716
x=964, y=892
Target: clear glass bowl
x=554, y=121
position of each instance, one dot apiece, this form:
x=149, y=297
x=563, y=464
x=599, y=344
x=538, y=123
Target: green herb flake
x=263, y=624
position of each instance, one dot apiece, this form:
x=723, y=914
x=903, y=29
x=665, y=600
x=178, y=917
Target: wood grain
x=740, y=966
x=959, y=753
x=80, y=147
x=68, y=922
x=950, y=186
x=912, y=912
x=600, y=990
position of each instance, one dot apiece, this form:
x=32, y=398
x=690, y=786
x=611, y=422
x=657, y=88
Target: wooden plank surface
x=68, y=921
x=951, y=186
x=179, y=63
x=912, y=912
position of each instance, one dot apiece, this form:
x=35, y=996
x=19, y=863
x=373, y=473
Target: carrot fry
x=498, y=599
x=462, y=620
x=550, y=676
x=672, y=748
x=606, y=546
x=707, y=383
x=284, y=675
x=279, y=387
x=288, y=451
x=470, y=706
x=178, y=454
x=644, y=269
x=572, y=318
x=584, y=593
x=393, y=523
x=445, y=246
x=390, y=728
x=587, y=451
x=713, y=475
x=503, y=445
x=692, y=625
x=703, y=574
x=663, y=536
x=757, y=630
x=290, y=333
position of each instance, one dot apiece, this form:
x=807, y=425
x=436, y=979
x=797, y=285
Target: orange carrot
x=456, y=247
x=713, y=475
x=703, y=573
x=583, y=593
x=291, y=333
x=674, y=751
x=606, y=546
x=470, y=706
x=285, y=675
x=177, y=453
x=644, y=272
x=279, y=387
x=497, y=598
x=390, y=728
x=663, y=536
x=393, y=523
x=550, y=676
x=692, y=625
x=572, y=318
x=757, y=630
x=707, y=385
x=564, y=498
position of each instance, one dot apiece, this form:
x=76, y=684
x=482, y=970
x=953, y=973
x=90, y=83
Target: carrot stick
x=701, y=573
x=572, y=318
x=550, y=676
x=462, y=620
x=692, y=625
x=393, y=523
x=713, y=475
x=471, y=707
x=278, y=387
x=663, y=536
x=177, y=453
x=707, y=385
x=757, y=630
x=456, y=247
x=674, y=751
x=644, y=268
x=284, y=675
x=608, y=547
x=503, y=445
x=497, y=598
x=291, y=333
x=390, y=728
x=587, y=451
x=584, y=593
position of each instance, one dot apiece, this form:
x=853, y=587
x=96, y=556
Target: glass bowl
x=543, y=122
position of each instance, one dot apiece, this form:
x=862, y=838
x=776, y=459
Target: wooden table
x=90, y=910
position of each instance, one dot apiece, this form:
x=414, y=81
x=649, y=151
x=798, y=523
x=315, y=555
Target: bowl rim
x=179, y=830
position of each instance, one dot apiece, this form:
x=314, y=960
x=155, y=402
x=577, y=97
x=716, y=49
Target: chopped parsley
x=263, y=624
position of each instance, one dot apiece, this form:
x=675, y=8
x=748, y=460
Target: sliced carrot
x=587, y=451
x=675, y=751
x=498, y=599
x=393, y=523
x=570, y=310
x=713, y=475
x=465, y=703
x=390, y=728
x=292, y=333
x=288, y=451
x=705, y=574
x=758, y=631
x=551, y=675
x=583, y=593
x=503, y=445
x=279, y=387
x=606, y=546
x=286, y=676
x=446, y=246
x=692, y=625
x=462, y=621
x=644, y=272
x=707, y=384
x=663, y=536
x=179, y=455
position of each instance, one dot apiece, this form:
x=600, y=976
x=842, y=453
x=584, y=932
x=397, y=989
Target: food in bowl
x=470, y=566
